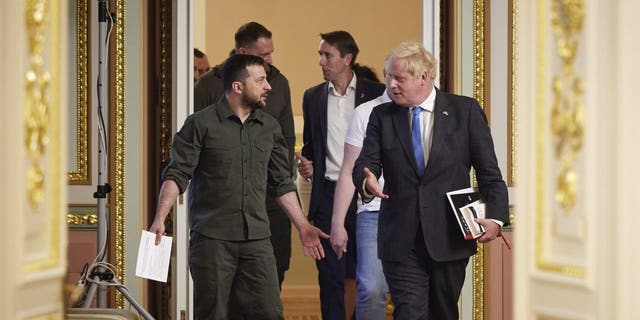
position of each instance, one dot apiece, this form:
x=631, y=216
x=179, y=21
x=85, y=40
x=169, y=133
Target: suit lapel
x=322, y=110
x=441, y=125
x=400, y=118
x=360, y=93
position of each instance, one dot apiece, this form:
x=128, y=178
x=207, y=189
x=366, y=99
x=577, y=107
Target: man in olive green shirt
x=255, y=39
x=234, y=154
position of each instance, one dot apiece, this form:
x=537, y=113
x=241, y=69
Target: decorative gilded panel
x=561, y=226
x=42, y=127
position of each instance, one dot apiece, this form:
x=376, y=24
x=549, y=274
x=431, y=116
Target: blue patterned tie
x=416, y=138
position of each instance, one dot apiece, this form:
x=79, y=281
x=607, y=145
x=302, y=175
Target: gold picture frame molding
x=117, y=145
x=80, y=175
x=477, y=260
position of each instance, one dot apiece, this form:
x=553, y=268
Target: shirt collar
x=351, y=86
x=385, y=96
x=225, y=112
x=429, y=103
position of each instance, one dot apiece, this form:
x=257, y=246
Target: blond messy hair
x=414, y=58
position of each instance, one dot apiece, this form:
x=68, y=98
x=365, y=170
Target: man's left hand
x=492, y=229
x=310, y=239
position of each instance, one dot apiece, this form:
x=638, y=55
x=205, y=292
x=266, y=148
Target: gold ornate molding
x=478, y=51
x=478, y=93
x=117, y=197
x=567, y=116
x=120, y=147
x=82, y=219
x=38, y=103
x=81, y=173
x=568, y=23
x=43, y=131
x=163, y=293
x=478, y=283
x=165, y=80
x=82, y=216
x=513, y=103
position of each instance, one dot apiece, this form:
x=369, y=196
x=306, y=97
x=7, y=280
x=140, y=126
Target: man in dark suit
x=327, y=110
x=255, y=39
x=426, y=142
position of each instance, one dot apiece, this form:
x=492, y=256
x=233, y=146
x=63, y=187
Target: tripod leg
x=89, y=296
x=133, y=301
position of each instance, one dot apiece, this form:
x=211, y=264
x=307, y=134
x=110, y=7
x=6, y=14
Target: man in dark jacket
x=426, y=141
x=327, y=109
x=254, y=39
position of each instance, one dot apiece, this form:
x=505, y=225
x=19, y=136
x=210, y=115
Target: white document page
x=153, y=261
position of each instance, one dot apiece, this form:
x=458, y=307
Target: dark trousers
x=331, y=270
x=422, y=288
x=233, y=279
x=280, y=226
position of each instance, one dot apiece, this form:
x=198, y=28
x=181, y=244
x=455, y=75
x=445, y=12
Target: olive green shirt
x=231, y=166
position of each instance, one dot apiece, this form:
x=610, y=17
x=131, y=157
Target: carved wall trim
x=117, y=128
x=548, y=114
x=83, y=102
x=42, y=138
x=477, y=260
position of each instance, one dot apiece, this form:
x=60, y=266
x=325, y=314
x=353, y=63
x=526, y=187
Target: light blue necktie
x=416, y=138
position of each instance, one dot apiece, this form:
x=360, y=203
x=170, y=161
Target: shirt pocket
x=217, y=162
x=260, y=165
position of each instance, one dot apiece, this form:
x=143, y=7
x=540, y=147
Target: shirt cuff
x=366, y=196
x=500, y=223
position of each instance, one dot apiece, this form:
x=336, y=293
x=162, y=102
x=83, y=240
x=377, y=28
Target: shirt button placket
x=245, y=164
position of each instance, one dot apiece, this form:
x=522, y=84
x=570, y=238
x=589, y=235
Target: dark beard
x=257, y=104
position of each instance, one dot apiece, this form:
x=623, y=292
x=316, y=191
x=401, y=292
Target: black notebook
x=467, y=205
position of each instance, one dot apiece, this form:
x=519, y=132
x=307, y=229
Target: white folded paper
x=153, y=261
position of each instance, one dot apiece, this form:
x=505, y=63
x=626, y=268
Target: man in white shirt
x=371, y=286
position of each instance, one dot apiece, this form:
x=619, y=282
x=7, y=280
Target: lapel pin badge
x=361, y=95
x=445, y=113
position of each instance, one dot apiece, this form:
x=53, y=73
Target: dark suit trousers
x=422, y=288
x=331, y=270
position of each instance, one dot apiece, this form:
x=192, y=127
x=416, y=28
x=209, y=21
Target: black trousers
x=331, y=270
x=422, y=288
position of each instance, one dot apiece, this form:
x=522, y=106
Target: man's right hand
x=305, y=166
x=372, y=186
x=158, y=228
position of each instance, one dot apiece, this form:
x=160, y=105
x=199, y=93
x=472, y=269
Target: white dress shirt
x=339, y=112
